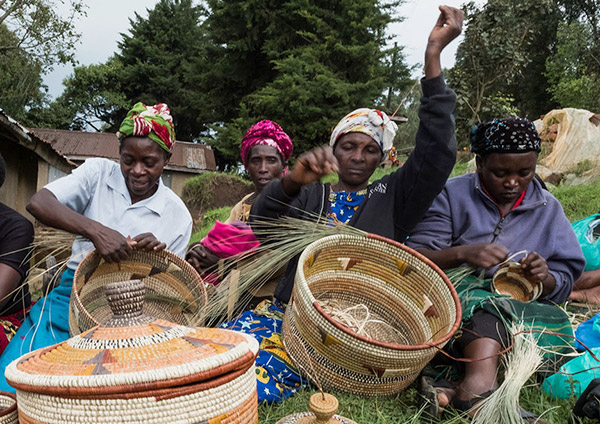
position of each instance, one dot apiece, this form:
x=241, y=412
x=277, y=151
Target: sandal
x=429, y=390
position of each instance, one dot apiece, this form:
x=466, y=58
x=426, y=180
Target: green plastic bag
x=587, y=231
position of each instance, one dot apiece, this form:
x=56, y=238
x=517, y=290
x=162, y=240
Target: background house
x=35, y=157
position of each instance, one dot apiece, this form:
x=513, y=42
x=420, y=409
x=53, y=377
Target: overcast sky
x=107, y=19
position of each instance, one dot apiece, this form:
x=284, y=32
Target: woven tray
x=398, y=286
x=138, y=369
x=8, y=408
x=174, y=290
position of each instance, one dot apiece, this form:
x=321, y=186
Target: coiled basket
x=136, y=369
x=8, y=408
x=174, y=290
x=412, y=309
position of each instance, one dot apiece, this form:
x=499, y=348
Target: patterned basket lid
x=132, y=352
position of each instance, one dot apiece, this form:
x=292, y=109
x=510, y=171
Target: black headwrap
x=507, y=135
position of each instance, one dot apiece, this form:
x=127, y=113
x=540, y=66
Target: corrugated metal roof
x=80, y=145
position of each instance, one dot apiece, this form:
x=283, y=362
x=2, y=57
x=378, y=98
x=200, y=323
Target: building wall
x=178, y=179
x=21, y=177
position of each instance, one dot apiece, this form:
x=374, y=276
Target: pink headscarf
x=267, y=133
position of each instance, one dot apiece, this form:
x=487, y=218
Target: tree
x=21, y=81
x=574, y=69
x=155, y=59
x=302, y=63
x=40, y=31
x=93, y=98
x=490, y=61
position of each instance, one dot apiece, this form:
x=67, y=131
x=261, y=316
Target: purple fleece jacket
x=464, y=214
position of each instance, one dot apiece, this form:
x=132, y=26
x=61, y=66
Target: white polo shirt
x=97, y=190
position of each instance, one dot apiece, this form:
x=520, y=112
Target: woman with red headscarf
x=265, y=150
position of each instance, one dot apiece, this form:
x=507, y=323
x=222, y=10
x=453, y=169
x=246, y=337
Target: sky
x=107, y=19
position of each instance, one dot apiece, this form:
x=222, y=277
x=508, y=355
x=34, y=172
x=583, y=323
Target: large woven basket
x=174, y=290
x=136, y=369
x=414, y=305
x=8, y=408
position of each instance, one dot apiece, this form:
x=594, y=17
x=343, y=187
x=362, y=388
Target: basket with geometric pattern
x=174, y=290
x=411, y=311
x=139, y=369
x=8, y=408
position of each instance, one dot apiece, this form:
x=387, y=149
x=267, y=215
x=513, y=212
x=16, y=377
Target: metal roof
x=80, y=145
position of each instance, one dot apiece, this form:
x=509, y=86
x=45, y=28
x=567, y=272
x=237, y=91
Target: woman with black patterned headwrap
x=482, y=219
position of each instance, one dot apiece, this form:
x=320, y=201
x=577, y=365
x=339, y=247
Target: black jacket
x=395, y=203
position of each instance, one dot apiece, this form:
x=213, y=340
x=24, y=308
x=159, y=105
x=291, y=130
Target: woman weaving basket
x=480, y=220
x=389, y=207
x=112, y=207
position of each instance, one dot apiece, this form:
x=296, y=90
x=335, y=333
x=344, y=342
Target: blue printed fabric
x=343, y=204
x=46, y=324
x=276, y=377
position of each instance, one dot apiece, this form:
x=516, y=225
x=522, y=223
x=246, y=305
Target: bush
x=208, y=220
x=212, y=190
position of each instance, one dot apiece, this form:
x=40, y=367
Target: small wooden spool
x=323, y=407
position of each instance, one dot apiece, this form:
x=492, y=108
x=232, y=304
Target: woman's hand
x=483, y=255
x=310, y=167
x=446, y=29
x=535, y=268
x=110, y=244
x=201, y=258
x=147, y=241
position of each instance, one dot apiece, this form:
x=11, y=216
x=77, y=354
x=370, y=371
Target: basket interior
x=173, y=291
x=411, y=299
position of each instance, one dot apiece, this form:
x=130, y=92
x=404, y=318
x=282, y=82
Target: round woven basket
x=174, y=290
x=8, y=408
x=413, y=307
x=136, y=369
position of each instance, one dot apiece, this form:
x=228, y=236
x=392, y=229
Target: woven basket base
x=235, y=402
x=309, y=418
x=8, y=408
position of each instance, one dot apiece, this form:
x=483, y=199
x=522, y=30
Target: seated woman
x=113, y=208
x=265, y=150
x=16, y=236
x=481, y=219
x=389, y=207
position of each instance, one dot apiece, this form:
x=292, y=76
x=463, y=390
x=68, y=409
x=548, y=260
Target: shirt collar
x=116, y=181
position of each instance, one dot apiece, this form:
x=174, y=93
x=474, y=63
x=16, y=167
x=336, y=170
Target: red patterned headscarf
x=154, y=122
x=267, y=133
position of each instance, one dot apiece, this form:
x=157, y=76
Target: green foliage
x=21, y=81
x=574, y=69
x=93, y=97
x=46, y=36
x=304, y=64
x=213, y=189
x=579, y=201
x=498, y=45
x=208, y=221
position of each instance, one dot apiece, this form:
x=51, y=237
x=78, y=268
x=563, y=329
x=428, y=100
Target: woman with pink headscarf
x=265, y=150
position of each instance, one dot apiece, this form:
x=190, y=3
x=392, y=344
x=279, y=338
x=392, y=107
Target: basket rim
x=387, y=345
x=11, y=409
x=164, y=252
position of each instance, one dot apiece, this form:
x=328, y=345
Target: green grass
x=405, y=408
x=579, y=201
x=208, y=221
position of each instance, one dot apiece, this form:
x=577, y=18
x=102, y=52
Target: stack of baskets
x=8, y=408
x=413, y=309
x=139, y=369
x=174, y=290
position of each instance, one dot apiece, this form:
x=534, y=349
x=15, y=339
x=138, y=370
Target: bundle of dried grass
x=521, y=362
x=281, y=241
